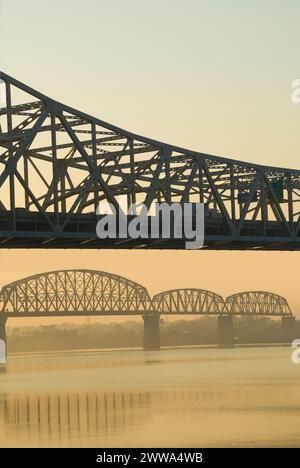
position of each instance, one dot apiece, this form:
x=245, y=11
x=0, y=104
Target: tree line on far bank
x=201, y=331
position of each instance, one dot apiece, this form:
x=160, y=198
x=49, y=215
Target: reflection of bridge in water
x=70, y=293
x=69, y=418
x=71, y=415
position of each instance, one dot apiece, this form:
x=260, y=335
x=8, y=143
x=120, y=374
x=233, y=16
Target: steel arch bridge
x=57, y=164
x=257, y=303
x=188, y=302
x=89, y=292
x=72, y=293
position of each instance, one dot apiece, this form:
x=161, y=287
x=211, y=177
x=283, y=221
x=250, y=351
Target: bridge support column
x=288, y=328
x=151, y=340
x=3, y=351
x=225, y=331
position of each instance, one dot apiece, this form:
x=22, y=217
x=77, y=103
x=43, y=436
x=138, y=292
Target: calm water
x=172, y=398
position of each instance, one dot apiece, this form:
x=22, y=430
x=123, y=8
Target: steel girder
x=199, y=301
x=89, y=292
x=74, y=292
x=188, y=301
x=257, y=303
x=57, y=164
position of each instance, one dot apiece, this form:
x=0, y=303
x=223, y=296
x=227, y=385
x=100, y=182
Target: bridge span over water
x=70, y=293
x=58, y=163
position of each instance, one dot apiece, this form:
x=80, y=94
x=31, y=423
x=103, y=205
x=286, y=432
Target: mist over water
x=193, y=397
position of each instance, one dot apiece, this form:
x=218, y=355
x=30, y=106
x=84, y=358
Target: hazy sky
x=209, y=75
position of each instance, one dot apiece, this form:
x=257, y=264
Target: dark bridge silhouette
x=188, y=301
x=74, y=293
x=68, y=293
x=257, y=303
x=58, y=163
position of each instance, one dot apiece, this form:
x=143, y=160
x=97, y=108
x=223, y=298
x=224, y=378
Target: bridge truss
x=256, y=303
x=89, y=292
x=57, y=164
x=188, y=301
x=74, y=292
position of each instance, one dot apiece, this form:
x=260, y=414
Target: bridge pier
x=151, y=341
x=3, y=351
x=225, y=331
x=288, y=327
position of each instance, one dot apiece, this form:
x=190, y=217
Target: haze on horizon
x=210, y=76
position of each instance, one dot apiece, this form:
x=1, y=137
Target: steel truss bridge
x=57, y=164
x=87, y=292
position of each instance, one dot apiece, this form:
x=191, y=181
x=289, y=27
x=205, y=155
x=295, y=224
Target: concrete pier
x=225, y=331
x=288, y=328
x=151, y=340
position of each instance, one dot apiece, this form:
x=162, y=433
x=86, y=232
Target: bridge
x=69, y=293
x=74, y=293
x=57, y=164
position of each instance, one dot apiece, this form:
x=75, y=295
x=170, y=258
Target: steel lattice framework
x=257, y=303
x=57, y=164
x=74, y=292
x=188, y=301
x=89, y=292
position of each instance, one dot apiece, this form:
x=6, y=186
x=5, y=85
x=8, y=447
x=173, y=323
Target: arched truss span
x=74, y=292
x=188, y=301
x=257, y=303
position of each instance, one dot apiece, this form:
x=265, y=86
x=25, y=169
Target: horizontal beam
x=129, y=313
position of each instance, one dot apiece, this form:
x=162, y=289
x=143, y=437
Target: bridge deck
x=32, y=232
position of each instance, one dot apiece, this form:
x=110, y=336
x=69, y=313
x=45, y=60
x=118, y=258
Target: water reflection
x=71, y=415
x=188, y=399
x=76, y=361
x=82, y=414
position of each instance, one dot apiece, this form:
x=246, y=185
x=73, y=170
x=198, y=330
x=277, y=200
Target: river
x=188, y=397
